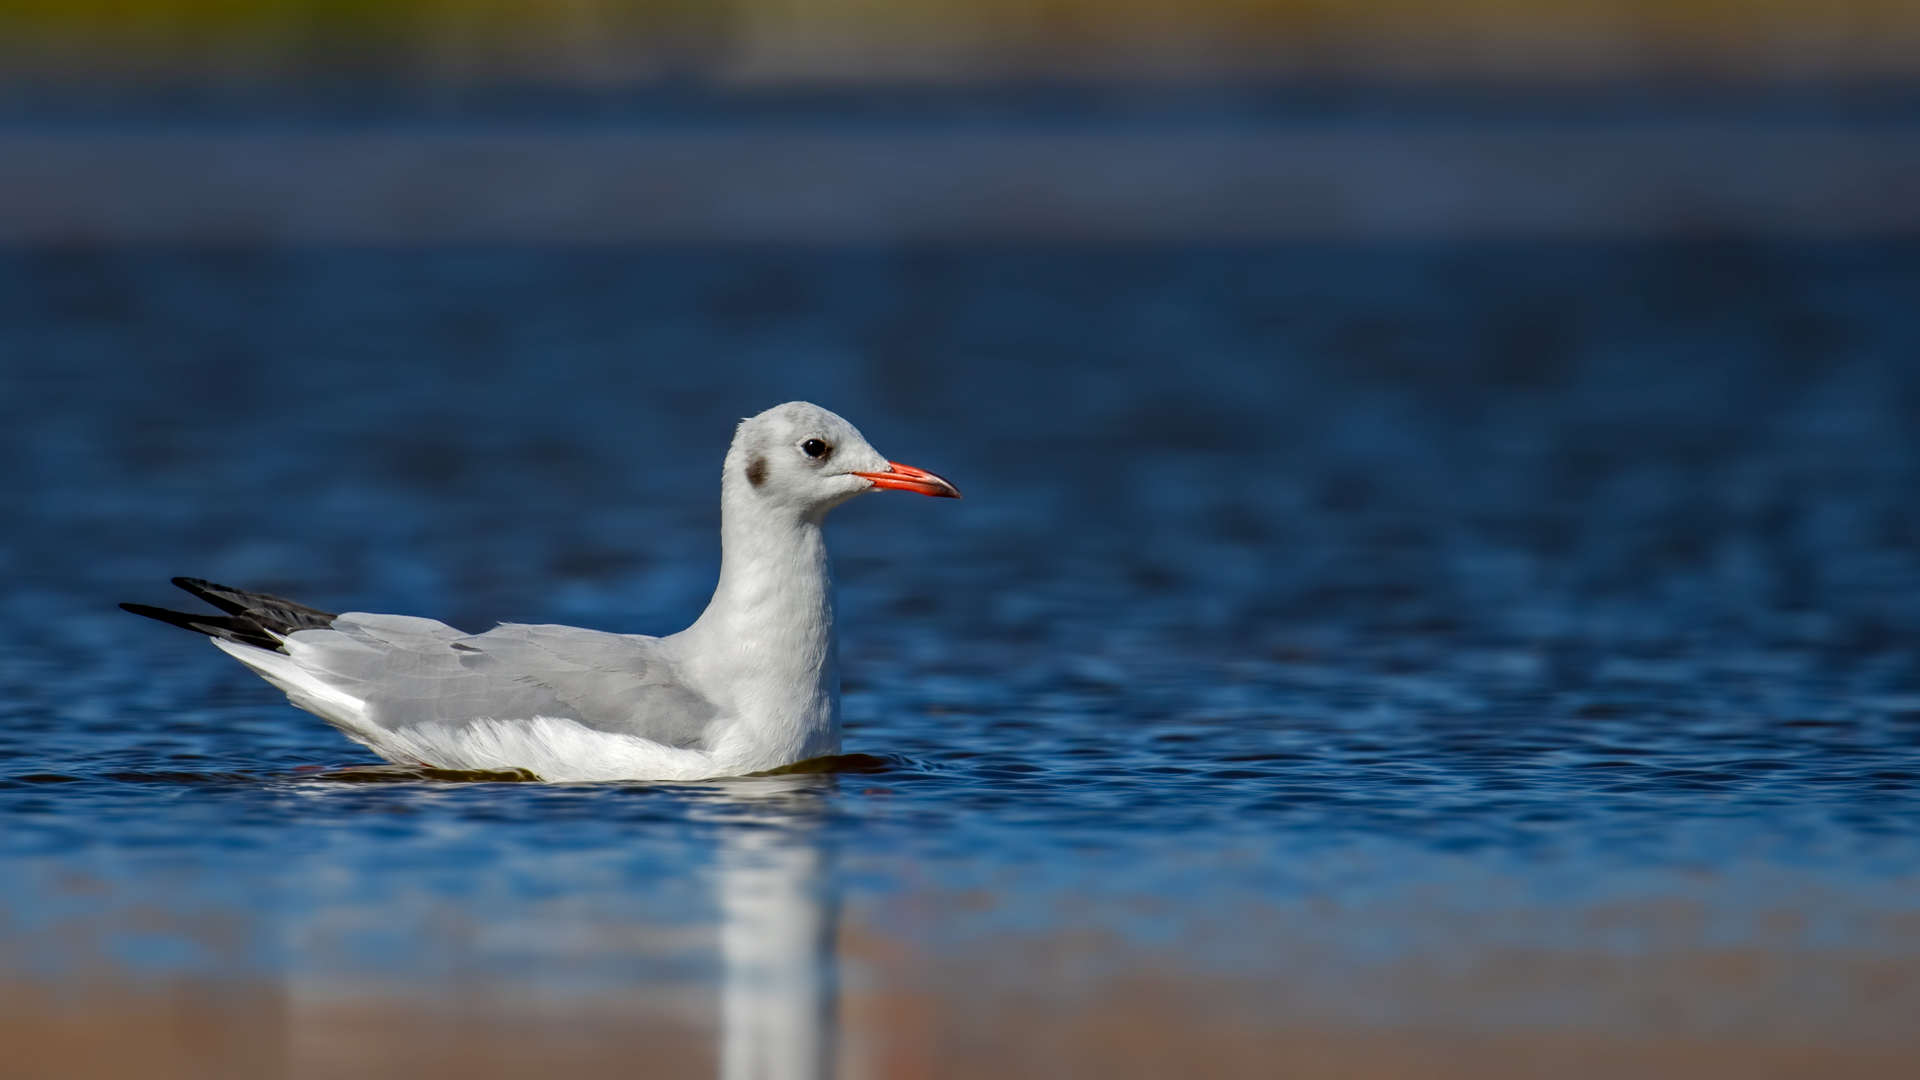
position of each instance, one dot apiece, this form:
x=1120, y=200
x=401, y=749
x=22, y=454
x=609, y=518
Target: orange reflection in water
x=1063, y=1003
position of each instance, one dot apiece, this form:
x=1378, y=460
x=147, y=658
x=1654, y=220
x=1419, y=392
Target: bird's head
x=803, y=458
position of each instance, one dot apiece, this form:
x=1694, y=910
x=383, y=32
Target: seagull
x=752, y=685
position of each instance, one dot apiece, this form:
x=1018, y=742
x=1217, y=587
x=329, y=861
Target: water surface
x=1400, y=660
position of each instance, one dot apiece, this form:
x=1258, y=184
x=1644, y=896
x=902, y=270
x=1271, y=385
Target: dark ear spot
x=757, y=471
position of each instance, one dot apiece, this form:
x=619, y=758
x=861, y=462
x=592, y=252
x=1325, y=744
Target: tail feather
x=251, y=618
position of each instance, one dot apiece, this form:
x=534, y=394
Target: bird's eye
x=815, y=448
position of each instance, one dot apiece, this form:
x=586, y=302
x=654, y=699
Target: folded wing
x=406, y=672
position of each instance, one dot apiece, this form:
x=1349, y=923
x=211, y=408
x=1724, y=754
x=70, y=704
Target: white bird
x=753, y=684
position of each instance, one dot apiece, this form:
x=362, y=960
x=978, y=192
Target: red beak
x=908, y=478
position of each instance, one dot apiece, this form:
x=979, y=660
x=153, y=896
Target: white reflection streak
x=776, y=941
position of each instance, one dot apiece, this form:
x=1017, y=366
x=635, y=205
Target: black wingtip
x=214, y=593
x=277, y=612
x=149, y=611
x=235, y=628
x=250, y=618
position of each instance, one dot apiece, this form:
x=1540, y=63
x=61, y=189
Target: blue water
x=1428, y=600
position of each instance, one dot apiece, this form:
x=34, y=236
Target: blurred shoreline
x=606, y=43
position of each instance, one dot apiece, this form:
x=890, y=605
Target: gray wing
x=413, y=671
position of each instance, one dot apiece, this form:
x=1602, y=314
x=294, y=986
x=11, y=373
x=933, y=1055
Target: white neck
x=765, y=648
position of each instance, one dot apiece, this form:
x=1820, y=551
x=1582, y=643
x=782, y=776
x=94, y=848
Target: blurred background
x=337, y=122
x=1435, y=596
x=604, y=44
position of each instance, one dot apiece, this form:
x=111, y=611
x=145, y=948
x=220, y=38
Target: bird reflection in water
x=779, y=921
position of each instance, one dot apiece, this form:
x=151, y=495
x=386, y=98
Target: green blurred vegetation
x=634, y=40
